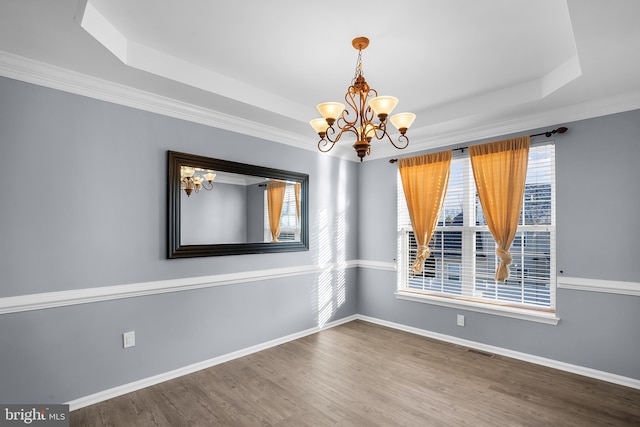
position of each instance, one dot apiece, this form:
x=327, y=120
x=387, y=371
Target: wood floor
x=361, y=374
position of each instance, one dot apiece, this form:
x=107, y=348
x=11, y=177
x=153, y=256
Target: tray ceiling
x=469, y=69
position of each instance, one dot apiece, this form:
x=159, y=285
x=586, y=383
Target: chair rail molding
x=105, y=293
x=44, y=300
x=599, y=285
x=39, y=301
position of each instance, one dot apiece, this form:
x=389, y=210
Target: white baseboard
x=157, y=379
x=82, y=296
x=555, y=364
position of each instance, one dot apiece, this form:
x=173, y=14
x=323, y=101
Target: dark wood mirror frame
x=177, y=250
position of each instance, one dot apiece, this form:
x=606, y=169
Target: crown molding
x=42, y=74
x=47, y=75
x=561, y=115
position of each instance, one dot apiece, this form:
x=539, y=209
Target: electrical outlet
x=460, y=320
x=129, y=339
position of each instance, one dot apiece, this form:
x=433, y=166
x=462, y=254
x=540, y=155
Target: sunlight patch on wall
x=332, y=247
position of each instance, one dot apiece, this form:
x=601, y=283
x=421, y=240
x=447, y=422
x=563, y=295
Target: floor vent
x=480, y=352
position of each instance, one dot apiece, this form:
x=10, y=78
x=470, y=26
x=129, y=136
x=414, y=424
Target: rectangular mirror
x=218, y=207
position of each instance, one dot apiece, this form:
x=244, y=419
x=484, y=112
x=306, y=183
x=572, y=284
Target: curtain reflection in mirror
x=275, y=199
x=290, y=220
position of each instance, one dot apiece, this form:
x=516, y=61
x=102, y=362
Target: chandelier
x=359, y=118
x=190, y=182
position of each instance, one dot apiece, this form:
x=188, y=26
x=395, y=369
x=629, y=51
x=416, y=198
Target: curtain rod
x=547, y=134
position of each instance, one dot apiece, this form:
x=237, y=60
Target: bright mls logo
x=36, y=415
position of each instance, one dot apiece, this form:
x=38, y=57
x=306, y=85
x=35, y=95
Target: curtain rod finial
x=551, y=132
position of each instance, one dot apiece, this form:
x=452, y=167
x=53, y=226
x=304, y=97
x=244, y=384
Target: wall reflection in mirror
x=218, y=207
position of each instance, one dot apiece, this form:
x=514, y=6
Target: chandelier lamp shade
x=363, y=107
x=189, y=181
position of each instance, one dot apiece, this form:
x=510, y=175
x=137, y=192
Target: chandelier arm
x=330, y=143
x=330, y=131
x=402, y=139
x=381, y=132
x=367, y=116
x=343, y=122
x=350, y=99
x=350, y=128
x=205, y=186
x=323, y=143
x=327, y=141
x=367, y=112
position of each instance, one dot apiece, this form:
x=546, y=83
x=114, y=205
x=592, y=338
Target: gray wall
x=216, y=216
x=598, y=180
x=255, y=213
x=90, y=211
x=83, y=205
x=598, y=194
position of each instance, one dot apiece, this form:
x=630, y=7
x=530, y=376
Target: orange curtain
x=424, y=181
x=297, y=193
x=275, y=199
x=500, y=171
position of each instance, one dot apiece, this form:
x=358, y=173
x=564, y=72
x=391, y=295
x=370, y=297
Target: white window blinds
x=463, y=261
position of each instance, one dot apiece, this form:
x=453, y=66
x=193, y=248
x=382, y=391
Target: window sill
x=497, y=310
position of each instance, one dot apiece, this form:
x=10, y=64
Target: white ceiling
x=469, y=69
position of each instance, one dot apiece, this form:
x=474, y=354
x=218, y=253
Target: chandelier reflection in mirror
x=358, y=119
x=190, y=182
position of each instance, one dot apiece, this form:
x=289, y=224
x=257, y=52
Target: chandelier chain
x=358, y=67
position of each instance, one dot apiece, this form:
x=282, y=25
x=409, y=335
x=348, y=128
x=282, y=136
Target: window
x=462, y=263
x=289, y=229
